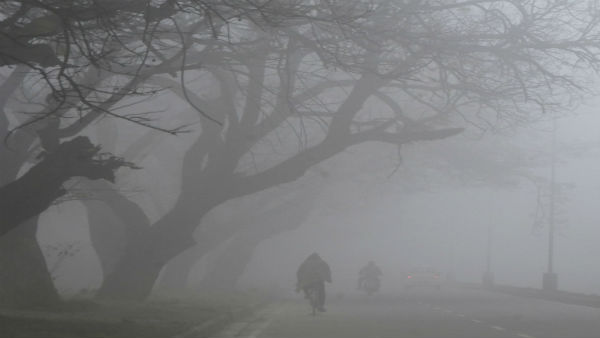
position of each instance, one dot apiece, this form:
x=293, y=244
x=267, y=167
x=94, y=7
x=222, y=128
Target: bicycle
x=313, y=298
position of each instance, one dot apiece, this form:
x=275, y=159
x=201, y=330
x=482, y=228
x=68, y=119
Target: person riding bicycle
x=313, y=273
x=371, y=270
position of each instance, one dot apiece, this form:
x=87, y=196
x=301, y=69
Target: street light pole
x=488, y=275
x=550, y=278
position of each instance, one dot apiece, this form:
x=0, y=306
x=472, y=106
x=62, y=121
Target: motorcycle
x=371, y=285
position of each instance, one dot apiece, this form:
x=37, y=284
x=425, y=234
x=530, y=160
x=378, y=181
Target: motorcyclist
x=371, y=270
x=313, y=273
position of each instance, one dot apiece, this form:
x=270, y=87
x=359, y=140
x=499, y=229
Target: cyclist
x=313, y=273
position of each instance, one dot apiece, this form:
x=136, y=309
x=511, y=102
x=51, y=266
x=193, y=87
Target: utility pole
x=550, y=278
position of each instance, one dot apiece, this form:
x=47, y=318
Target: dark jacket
x=313, y=270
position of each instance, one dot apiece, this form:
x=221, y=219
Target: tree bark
x=139, y=258
x=113, y=220
x=287, y=215
x=149, y=250
x=176, y=274
x=177, y=271
x=25, y=281
x=107, y=234
x=229, y=267
x=36, y=190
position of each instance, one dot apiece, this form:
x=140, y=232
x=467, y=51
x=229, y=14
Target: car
x=423, y=277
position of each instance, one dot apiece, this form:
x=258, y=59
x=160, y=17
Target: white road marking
x=522, y=335
x=196, y=329
x=263, y=326
x=437, y=308
x=256, y=324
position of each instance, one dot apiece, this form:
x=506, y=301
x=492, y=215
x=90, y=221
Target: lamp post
x=488, y=275
x=550, y=278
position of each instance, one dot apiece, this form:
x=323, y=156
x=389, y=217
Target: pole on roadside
x=488, y=275
x=550, y=278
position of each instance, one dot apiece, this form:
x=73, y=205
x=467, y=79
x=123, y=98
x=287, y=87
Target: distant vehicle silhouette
x=423, y=277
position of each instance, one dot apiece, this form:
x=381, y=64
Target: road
x=451, y=312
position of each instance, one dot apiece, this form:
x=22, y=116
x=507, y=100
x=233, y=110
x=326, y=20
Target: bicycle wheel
x=313, y=298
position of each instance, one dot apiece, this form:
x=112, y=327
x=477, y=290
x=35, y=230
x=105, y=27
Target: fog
x=401, y=168
x=362, y=212
x=446, y=225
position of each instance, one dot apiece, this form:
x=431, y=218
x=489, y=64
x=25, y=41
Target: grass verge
x=158, y=318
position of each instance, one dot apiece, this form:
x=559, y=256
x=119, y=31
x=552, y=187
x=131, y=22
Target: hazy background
x=424, y=212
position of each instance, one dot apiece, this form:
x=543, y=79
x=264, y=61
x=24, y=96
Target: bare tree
x=91, y=55
x=408, y=71
x=82, y=61
x=422, y=65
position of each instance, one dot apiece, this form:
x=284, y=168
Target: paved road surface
x=460, y=313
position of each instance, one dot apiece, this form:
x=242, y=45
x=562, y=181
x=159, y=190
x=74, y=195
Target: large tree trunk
x=25, y=280
x=134, y=275
x=287, y=215
x=36, y=190
x=177, y=272
x=229, y=267
x=148, y=250
x=114, y=220
x=124, y=285
x=136, y=272
x=107, y=234
x=112, y=217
